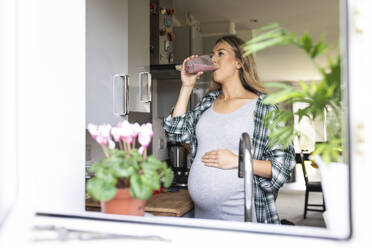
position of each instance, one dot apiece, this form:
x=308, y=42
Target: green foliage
x=274, y=35
x=329, y=151
x=321, y=97
x=144, y=175
x=281, y=127
x=101, y=190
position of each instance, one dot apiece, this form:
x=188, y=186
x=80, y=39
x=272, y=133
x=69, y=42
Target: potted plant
x=320, y=98
x=126, y=177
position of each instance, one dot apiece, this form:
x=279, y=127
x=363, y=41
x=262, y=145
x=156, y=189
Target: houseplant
x=320, y=98
x=125, y=172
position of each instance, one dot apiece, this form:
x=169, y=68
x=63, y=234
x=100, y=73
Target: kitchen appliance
x=188, y=42
x=178, y=162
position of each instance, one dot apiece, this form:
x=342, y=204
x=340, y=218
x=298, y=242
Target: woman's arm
x=179, y=124
x=282, y=161
x=188, y=82
x=225, y=159
x=262, y=168
x=182, y=101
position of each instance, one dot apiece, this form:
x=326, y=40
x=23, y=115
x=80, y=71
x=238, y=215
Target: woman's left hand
x=221, y=158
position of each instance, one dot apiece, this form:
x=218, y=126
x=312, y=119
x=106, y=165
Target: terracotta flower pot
x=124, y=203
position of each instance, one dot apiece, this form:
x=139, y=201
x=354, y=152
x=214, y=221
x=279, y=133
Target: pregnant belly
x=211, y=187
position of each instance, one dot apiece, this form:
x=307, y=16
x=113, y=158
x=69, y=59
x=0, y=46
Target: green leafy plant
x=322, y=97
x=126, y=166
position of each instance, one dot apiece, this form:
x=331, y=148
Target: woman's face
x=223, y=57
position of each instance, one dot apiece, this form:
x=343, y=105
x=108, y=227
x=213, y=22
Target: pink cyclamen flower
x=93, y=130
x=100, y=140
x=105, y=131
x=115, y=131
x=126, y=132
x=141, y=150
x=145, y=134
x=144, y=140
x=111, y=144
x=147, y=129
x=136, y=129
x=103, y=136
x=126, y=129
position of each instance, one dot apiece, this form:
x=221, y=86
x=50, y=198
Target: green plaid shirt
x=182, y=129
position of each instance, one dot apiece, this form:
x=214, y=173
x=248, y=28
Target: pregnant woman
x=213, y=129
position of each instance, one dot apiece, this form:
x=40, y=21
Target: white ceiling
x=315, y=16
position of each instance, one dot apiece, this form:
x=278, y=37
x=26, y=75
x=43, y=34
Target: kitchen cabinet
x=117, y=43
x=139, y=56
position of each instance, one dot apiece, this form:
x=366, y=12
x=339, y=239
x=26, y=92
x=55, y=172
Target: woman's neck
x=233, y=89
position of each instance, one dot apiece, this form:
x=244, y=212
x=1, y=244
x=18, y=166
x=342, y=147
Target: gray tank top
x=218, y=193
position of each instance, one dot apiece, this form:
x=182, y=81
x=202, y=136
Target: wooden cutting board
x=163, y=204
x=170, y=203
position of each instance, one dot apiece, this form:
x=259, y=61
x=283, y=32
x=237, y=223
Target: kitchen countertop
x=162, y=204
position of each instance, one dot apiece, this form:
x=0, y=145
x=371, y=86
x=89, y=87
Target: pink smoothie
x=195, y=68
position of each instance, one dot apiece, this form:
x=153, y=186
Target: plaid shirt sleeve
x=282, y=160
x=179, y=128
x=281, y=164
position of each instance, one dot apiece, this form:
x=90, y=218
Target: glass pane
x=298, y=63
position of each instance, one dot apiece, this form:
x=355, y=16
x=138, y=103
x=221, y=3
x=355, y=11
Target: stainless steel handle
x=140, y=80
x=245, y=170
x=177, y=157
x=120, y=94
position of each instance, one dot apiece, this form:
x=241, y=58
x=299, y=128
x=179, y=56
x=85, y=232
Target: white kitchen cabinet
x=117, y=42
x=139, y=56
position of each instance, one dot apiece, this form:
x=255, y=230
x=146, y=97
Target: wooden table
x=162, y=204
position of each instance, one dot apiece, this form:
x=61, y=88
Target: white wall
x=51, y=101
x=289, y=63
x=8, y=128
x=282, y=63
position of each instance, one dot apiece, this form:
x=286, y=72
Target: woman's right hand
x=188, y=79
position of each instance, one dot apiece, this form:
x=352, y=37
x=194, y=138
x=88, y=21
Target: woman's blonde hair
x=247, y=73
